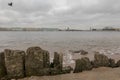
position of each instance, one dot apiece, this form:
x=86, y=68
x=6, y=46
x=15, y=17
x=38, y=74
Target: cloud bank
x=60, y=13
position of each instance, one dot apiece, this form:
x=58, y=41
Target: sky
x=80, y=14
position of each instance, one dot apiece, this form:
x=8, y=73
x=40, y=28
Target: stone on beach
x=14, y=63
x=82, y=65
x=87, y=63
x=58, y=61
x=37, y=61
x=54, y=71
x=67, y=69
x=82, y=52
x=57, y=65
x=112, y=63
x=75, y=51
x=2, y=65
x=118, y=63
x=100, y=60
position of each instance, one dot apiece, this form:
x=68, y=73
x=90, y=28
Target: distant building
x=109, y=29
x=94, y=29
x=67, y=29
x=49, y=29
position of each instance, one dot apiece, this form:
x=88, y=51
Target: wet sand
x=102, y=73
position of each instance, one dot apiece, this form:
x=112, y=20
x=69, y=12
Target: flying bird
x=10, y=4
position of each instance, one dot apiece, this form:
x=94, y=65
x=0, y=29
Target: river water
x=104, y=42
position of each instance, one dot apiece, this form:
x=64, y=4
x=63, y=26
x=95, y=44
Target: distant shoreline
x=53, y=31
x=57, y=29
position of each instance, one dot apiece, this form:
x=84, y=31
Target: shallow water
x=104, y=42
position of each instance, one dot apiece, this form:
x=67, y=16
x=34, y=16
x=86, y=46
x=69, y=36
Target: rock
x=31, y=50
x=82, y=65
x=57, y=65
x=118, y=63
x=13, y=79
x=14, y=63
x=67, y=69
x=37, y=60
x=43, y=72
x=82, y=52
x=87, y=63
x=58, y=61
x=75, y=51
x=51, y=65
x=100, y=60
x=112, y=63
x=55, y=71
x=78, y=66
x=2, y=65
x=5, y=78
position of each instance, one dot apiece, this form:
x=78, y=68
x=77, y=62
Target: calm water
x=62, y=41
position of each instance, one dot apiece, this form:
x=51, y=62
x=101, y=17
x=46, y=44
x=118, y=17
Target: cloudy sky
x=81, y=14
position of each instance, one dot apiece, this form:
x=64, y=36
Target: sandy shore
x=102, y=73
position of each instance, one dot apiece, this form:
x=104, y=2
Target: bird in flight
x=10, y=4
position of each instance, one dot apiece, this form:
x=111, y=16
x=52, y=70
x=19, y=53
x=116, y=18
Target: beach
x=102, y=73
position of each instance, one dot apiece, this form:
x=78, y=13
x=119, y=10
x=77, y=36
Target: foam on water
x=110, y=51
x=68, y=59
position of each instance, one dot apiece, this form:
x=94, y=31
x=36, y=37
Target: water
x=61, y=40
x=103, y=42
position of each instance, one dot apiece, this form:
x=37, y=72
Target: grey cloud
x=55, y=13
